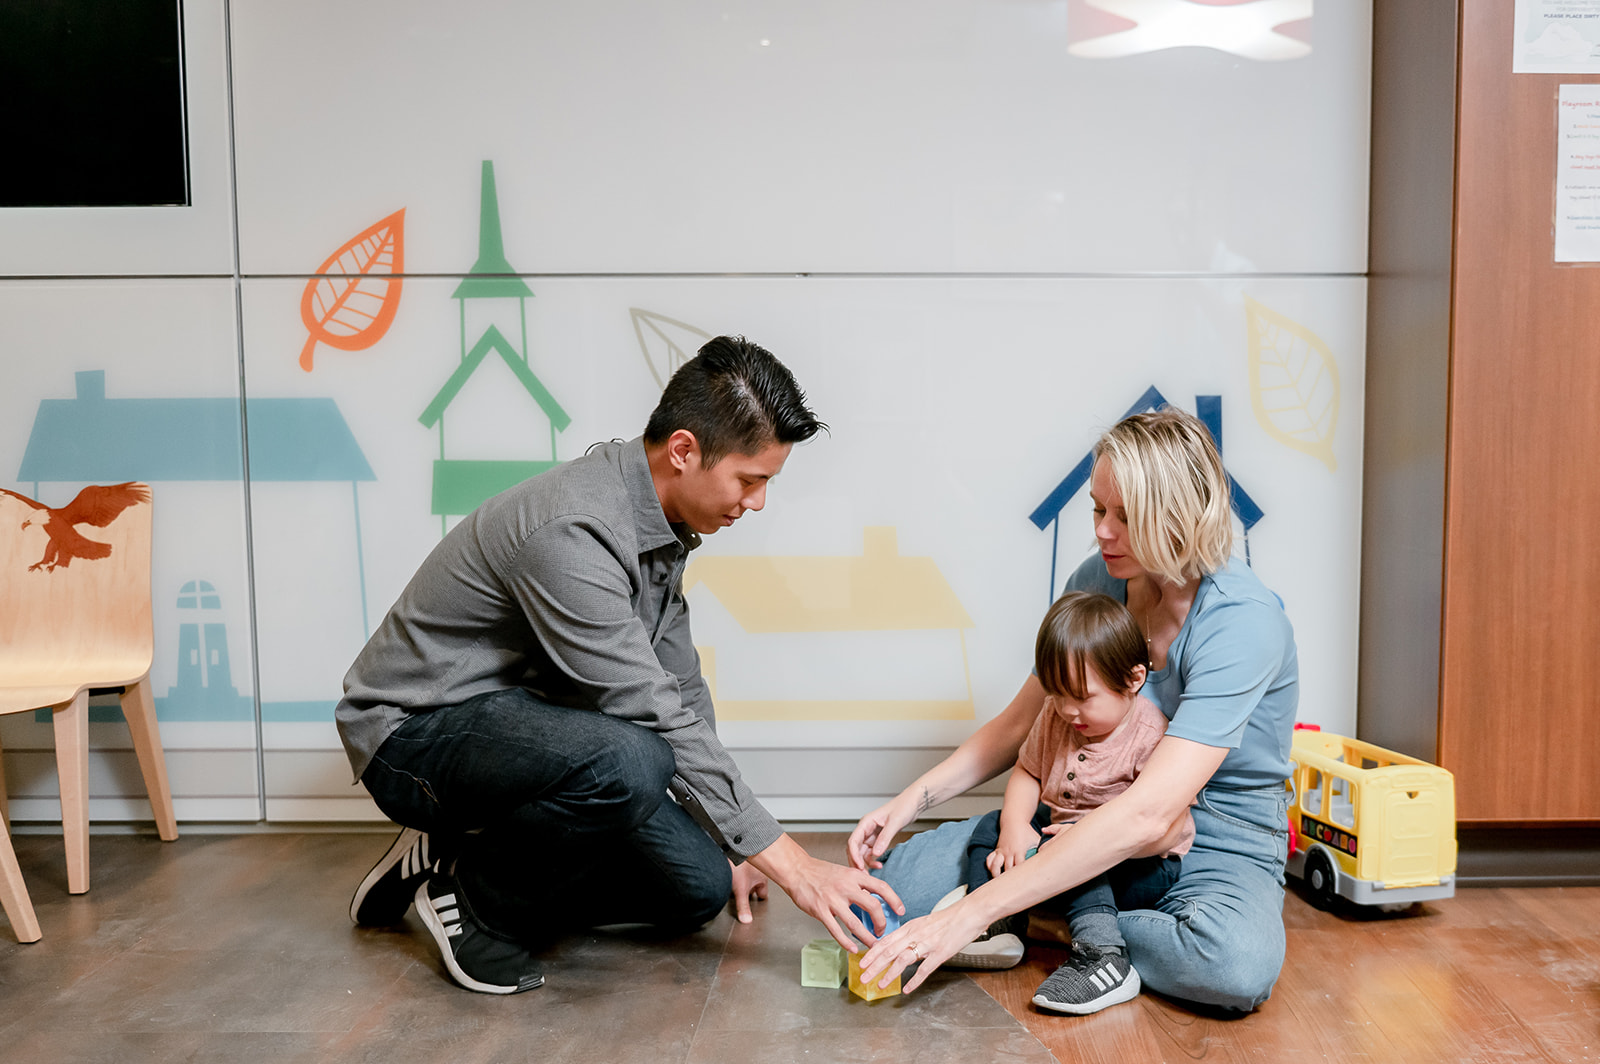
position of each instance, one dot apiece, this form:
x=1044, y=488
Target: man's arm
x=573, y=586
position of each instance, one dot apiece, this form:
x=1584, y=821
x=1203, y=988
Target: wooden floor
x=223, y=948
x=1506, y=974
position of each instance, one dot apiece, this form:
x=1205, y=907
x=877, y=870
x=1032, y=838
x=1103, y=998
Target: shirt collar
x=648, y=518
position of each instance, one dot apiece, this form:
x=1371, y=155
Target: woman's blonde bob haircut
x=1175, y=492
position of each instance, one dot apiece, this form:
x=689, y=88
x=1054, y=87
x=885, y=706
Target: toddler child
x=1089, y=742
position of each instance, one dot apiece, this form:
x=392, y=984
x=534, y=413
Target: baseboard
x=1528, y=857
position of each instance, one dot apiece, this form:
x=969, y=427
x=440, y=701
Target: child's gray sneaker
x=1093, y=978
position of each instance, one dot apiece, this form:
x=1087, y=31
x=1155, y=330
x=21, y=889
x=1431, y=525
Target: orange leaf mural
x=353, y=309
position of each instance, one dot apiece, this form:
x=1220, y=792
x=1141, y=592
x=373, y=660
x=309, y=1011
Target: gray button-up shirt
x=569, y=585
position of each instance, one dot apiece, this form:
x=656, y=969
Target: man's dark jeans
x=560, y=816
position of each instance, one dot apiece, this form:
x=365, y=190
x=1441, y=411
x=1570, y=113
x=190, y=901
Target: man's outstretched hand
x=826, y=891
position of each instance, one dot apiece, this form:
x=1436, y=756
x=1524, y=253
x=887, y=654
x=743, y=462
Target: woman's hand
x=988, y=751
x=1012, y=849
x=931, y=939
x=871, y=838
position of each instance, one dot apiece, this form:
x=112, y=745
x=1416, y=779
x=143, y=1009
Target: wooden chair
x=76, y=617
x=14, y=893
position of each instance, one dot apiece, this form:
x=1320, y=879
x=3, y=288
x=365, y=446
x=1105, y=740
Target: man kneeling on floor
x=534, y=694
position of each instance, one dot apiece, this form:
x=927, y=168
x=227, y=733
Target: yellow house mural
x=879, y=636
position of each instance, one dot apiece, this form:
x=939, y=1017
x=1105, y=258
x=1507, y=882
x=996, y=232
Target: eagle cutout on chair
x=97, y=505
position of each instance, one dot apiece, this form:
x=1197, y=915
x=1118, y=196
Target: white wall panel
x=1014, y=244
x=904, y=136
x=197, y=239
x=107, y=381
x=957, y=407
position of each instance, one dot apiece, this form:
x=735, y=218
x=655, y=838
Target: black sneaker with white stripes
x=1094, y=977
x=475, y=958
x=385, y=894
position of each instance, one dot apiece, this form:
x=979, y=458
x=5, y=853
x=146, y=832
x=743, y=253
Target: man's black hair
x=737, y=398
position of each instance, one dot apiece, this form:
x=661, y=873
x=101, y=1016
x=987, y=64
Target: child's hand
x=1052, y=830
x=1012, y=850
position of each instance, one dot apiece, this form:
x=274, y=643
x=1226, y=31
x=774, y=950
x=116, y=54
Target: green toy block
x=822, y=964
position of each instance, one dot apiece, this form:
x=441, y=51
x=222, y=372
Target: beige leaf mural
x=666, y=342
x=1294, y=382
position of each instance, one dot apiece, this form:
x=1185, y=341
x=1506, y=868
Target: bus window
x=1311, y=799
x=1341, y=803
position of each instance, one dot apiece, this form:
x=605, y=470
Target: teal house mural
x=461, y=484
x=91, y=438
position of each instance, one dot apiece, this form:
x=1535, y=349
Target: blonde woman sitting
x=1221, y=668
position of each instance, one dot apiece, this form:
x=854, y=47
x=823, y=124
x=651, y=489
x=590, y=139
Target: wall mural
x=756, y=615
x=93, y=437
x=1047, y=515
x=878, y=613
x=96, y=505
x=968, y=330
x=354, y=298
x=666, y=342
x=1294, y=383
x=460, y=485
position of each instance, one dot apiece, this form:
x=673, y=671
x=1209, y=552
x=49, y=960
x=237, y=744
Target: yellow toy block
x=869, y=991
x=822, y=964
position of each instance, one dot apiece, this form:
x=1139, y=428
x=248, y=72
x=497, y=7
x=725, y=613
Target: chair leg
x=139, y=707
x=14, y=894
x=71, y=720
x=5, y=795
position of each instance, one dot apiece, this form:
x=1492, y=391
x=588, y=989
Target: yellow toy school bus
x=1369, y=825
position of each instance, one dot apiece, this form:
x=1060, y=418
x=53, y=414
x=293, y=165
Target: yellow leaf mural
x=1294, y=382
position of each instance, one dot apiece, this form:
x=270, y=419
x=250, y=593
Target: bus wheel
x=1319, y=877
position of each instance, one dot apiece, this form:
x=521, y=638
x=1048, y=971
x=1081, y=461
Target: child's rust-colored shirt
x=1076, y=776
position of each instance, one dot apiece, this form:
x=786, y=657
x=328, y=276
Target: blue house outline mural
x=1208, y=408
x=90, y=438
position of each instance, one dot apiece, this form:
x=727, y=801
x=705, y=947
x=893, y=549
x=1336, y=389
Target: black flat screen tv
x=93, y=104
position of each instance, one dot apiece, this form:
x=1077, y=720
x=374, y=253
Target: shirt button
x=1083, y=757
x=737, y=839
x=1072, y=775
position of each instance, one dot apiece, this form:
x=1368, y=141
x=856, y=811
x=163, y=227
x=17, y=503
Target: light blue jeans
x=1216, y=937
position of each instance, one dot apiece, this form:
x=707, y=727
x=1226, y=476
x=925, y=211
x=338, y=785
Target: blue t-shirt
x=1232, y=678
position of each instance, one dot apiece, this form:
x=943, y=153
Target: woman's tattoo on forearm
x=925, y=802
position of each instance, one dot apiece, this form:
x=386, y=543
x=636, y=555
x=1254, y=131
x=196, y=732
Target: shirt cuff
x=741, y=833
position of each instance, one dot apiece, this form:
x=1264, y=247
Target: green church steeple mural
x=460, y=485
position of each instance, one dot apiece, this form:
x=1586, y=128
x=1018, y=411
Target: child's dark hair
x=1088, y=630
